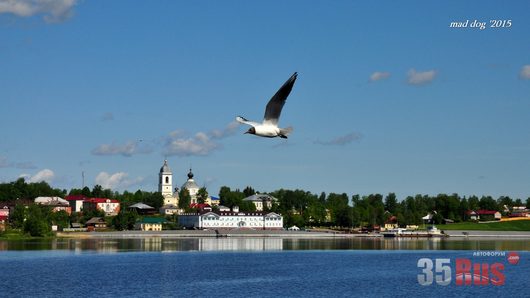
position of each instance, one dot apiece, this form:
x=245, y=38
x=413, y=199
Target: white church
x=170, y=194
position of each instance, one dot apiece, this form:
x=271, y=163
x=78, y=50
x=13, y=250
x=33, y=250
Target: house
x=232, y=220
x=96, y=223
x=76, y=202
x=109, y=206
x=56, y=203
x=150, y=224
x=223, y=208
x=13, y=203
x=261, y=201
x=483, y=215
x=201, y=207
x=391, y=223
x=215, y=201
x=142, y=209
x=4, y=213
x=169, y=209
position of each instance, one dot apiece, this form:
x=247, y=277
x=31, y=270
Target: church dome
x=165, y=168
x=190, y=184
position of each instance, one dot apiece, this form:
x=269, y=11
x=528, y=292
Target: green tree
x=391, y=203
x=19, y=216
x=125, y=220
x=184, y=198
x=473, y=203
x=86, y=192
x=97, y=191
x=202, y=195
x=155, y=200
x=248, y=191
x=230, y=198
x=488, y=203
x=60, y=218
x=36, y=224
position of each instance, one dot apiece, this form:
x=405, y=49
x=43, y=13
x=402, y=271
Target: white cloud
x=229, y=130
x=54, y=11
x=377, y=76
x=525, y=72
x=128, y=149
x=201, y=144
x=342, y=140
x=45, y=175
x=420, y=78
x=115, y=181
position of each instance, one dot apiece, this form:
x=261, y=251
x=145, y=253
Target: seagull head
x=251, y=131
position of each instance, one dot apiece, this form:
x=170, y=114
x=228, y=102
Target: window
x=167, y=179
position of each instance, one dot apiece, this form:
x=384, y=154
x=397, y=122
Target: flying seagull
x=269, y=127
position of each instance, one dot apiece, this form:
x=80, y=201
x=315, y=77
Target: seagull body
x=269, y=127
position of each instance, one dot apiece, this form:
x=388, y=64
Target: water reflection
x=263, y=244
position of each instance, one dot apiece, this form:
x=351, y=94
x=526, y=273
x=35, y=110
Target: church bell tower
x=165, y=184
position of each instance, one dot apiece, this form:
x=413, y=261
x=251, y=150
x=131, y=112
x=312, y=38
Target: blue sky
x=389, y=98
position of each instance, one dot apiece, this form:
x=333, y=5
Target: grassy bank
x=19, y=235
x=519, y=225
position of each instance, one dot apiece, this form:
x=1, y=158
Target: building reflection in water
x=112, y=245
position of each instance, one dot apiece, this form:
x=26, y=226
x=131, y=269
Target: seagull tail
x=284, y=132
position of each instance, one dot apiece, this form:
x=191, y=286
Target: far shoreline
x=454, y=234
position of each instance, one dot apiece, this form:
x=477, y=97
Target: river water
x=254, y=267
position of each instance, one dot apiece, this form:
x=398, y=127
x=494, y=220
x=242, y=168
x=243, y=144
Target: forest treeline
x=301, y=207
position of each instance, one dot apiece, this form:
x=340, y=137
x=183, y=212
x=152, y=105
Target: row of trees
x=304, y=208
x=298, y=207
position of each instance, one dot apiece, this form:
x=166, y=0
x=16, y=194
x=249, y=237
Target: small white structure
x=261, y=201
x=223, y=208
x=294, y=228
x=169, y=209
x=232, y=220
x=427, y=218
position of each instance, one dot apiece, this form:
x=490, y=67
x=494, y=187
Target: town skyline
x=382, y=104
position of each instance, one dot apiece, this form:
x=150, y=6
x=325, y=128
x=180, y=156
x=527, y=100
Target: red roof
x=100, y=200
x=4, y=217
x=391, y=219
x=197, y=205
x=75, y=198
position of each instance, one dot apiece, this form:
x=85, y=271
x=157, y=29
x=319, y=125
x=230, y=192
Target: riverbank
x=276, y=234
x=488, y=234
x=208, y=234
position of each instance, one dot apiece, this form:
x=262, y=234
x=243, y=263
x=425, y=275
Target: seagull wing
x=275, y=105
x=245, y=121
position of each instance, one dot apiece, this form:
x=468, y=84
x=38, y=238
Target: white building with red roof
x=111, y=207
x=76, y=202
